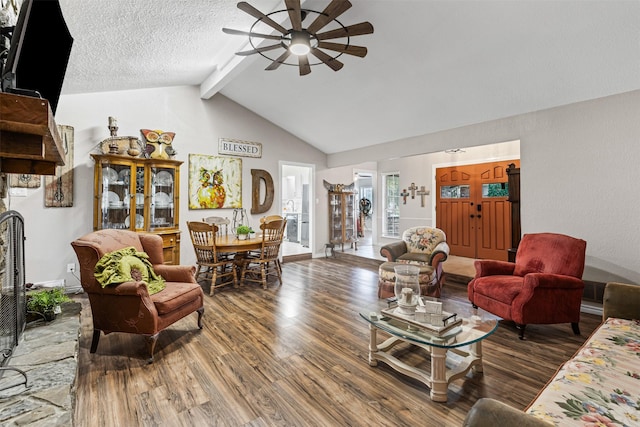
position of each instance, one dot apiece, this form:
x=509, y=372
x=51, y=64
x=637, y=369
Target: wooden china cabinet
x=141, y=195
x=342, y=218
x=514, y=198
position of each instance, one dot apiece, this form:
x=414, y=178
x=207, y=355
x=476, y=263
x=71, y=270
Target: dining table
x=231, y=243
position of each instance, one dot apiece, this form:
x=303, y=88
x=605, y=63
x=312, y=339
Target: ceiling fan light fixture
x=303, y=43
x=300, y=44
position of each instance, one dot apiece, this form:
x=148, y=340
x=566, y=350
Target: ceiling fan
x=302, y=41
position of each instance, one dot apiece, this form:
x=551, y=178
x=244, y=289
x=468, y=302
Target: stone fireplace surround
x=48, y=354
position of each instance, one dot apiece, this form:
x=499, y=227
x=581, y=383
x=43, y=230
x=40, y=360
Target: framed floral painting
x=215, y=182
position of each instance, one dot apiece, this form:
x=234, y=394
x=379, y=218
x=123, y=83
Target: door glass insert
x=454, y=192
x=162, y=197
x=495, y=189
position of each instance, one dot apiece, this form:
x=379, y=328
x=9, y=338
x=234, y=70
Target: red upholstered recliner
x=543, y=286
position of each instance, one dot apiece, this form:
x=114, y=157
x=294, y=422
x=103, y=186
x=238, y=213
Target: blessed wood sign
x=235, y=147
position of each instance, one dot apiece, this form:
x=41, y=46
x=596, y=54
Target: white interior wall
x=341, y=175
x=197, y=123
x=421, y=170
x=579, y=176
x=579, y=173
x=579, y=169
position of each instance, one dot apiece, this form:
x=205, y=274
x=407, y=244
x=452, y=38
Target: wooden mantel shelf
x=29, y=138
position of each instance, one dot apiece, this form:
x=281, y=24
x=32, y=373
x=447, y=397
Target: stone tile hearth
x=48, y=355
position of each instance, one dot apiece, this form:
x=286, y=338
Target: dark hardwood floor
x=296, y=355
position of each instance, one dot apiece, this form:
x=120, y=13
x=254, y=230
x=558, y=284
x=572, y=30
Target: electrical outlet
x=71, y=268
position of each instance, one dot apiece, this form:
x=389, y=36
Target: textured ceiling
x=432, y=65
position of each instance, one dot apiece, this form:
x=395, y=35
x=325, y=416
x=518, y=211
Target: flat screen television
x=38, y=52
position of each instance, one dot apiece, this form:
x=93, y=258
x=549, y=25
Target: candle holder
x=113, y=130
x=120, y=145
x=407, y=288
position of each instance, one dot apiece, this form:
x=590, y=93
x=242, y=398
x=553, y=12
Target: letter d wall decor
x=258, y=176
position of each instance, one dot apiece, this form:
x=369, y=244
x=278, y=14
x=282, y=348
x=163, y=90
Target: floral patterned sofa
x=598, y=386
x=423, y=246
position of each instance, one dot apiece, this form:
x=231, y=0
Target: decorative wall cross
x=404, y=195
x=422, y=192
x=413, y=189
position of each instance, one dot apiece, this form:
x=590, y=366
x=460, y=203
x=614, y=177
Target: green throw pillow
x=127, y=265
x=132, y=267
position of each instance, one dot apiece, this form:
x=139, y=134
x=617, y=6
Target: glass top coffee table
x=454, y=350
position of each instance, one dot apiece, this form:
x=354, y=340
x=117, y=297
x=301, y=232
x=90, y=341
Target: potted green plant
x=243, y=231
x=46, y=302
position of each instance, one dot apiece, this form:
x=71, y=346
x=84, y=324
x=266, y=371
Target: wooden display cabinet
x=514, y=198
x=342, y=219
x=141, y=195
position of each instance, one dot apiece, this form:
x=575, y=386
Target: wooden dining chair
x=220, y=222
x=257, y=267
x=220, y=268
x=270, y=218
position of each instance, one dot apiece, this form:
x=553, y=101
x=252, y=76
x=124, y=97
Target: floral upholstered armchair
x=423, y=246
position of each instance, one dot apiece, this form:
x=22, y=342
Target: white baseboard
x=591, y=308
x=49, y=284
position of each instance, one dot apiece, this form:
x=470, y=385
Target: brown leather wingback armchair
x=543, y=286
x=128, y=307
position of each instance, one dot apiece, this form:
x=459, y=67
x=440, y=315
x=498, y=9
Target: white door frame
x=374, y=184
x=312, y=178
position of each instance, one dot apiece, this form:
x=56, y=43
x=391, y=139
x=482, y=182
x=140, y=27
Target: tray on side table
x=449, y=321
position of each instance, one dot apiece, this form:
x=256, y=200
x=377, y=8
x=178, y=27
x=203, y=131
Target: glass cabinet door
x=335, y=218
x=115, y=195
x=342, y=219
x=162, y=213
x=136, y=219
x=140, y=195
x=350, y=217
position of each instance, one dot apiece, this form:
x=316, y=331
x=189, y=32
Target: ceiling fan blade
x=343, y=48
x=331, y=12
x=280, y=60
x=260, y=49
x=333, y=63
x=303, y=63
x=250, y=34
x=246, y=7
x=295, y=16
x=351, y=30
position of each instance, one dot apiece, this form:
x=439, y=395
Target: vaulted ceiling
x=431, y=64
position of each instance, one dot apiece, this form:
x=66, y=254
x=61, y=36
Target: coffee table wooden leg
x=373, y=345
x=439, y=384
x=475, y=350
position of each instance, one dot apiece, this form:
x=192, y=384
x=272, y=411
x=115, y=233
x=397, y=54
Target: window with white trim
x=391, y=204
